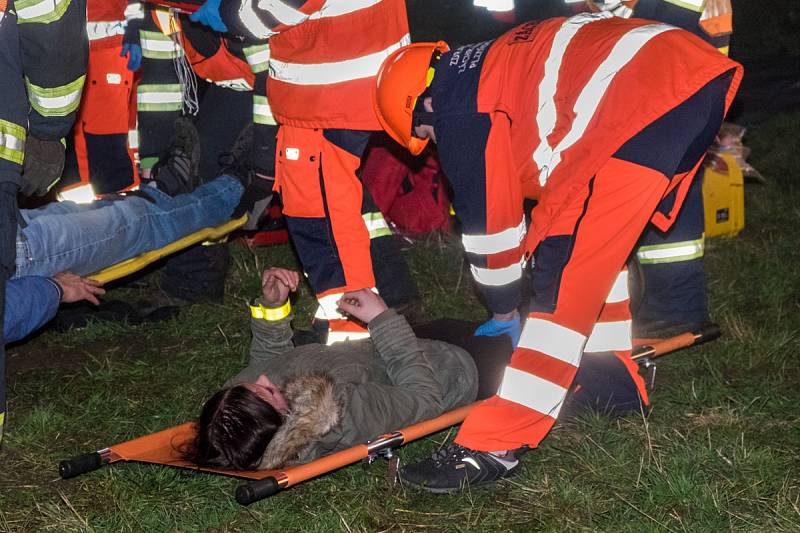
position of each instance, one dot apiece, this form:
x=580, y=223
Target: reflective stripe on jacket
x=324, y=56
x=596, y=82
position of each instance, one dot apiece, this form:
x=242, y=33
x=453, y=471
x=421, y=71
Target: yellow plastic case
x=723, y=195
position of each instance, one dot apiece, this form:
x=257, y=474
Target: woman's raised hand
x=276, y=283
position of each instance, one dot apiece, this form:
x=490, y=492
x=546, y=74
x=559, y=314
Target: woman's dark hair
x=233, y=430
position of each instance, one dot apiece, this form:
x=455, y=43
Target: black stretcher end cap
x=257, y=490
x=81, y=464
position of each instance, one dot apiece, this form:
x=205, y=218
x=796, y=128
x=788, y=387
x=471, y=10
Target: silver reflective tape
x=333, y=72
x=494, y=242
x=610, y=336
x=532, y=391
x=552, y=339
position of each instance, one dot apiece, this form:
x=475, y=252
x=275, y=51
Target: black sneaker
x=236, y=163
x=186, y=139
x=455, y=468
x=257, y=194
x=177, y=173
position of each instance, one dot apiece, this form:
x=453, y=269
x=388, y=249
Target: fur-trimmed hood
x=313, y=412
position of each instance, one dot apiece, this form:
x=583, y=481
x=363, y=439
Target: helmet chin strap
x=420, y=116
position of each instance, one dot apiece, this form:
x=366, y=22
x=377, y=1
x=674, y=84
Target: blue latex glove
x=208, y=15
x=134, y=54
x=131, y=44
x=494, y=327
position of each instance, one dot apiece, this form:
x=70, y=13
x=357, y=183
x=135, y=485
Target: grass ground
x=719, y=451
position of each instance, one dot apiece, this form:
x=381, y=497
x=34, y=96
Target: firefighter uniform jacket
x=43, y=54
x=538, y=111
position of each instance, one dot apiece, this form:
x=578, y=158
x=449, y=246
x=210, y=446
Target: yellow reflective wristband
x=264, y=313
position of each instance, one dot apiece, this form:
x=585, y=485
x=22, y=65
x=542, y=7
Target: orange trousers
x=578, y=304
x=107, y=113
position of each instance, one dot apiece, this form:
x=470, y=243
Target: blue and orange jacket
x=538, y=111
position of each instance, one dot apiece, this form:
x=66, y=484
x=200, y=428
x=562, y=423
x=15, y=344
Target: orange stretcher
x=164, y=447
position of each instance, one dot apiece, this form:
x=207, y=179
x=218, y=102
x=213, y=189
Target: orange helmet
x=403, y=76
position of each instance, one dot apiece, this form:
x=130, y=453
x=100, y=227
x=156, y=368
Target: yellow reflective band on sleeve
x=159, y=97
x=12, y=142
x=55, y=101
x=262, y=113
x=2, y=422
x=257, y=57
x=725, y=50
x=671, y=253
x=40, y=11
x=156, y=45
x=694, y=5
x=376, y=225
x=264, y=313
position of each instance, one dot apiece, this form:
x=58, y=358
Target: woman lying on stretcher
x=319, y=399
x=293, y=405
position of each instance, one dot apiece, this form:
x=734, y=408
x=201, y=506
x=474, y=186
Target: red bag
x=411, y=192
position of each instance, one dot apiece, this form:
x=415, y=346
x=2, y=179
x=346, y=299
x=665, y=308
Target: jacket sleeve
x=271, y=339
x=13, y=101
x=256, y=23
x=54, y=50
x=414, y=393
x=475, y=152
x=31, y=302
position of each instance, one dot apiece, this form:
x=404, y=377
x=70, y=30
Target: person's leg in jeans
x=88, y=240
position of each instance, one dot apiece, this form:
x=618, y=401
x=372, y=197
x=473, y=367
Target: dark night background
x=766, y=40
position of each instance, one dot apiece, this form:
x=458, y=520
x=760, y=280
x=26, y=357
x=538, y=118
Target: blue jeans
x=86, y=238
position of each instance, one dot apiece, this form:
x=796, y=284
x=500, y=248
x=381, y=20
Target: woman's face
x=269, y=392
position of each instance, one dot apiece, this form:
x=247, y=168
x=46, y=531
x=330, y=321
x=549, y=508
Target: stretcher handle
x=80, y=464
x=663, y=347
x=257, y=490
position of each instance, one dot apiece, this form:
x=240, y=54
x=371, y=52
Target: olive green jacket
x=350, y=392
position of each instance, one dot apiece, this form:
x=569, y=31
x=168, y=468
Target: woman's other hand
x=362, y=304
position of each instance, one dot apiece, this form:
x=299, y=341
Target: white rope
x=183, y=70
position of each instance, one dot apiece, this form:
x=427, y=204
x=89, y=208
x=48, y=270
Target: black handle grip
x=257, y=490
x=79, y=465
x=708, y=334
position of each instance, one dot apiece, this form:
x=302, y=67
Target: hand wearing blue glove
x=495, y=327
x=208, y=15
x=131, y=44
x=134, y=54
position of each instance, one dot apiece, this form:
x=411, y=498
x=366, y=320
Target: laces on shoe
x=448, y=454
